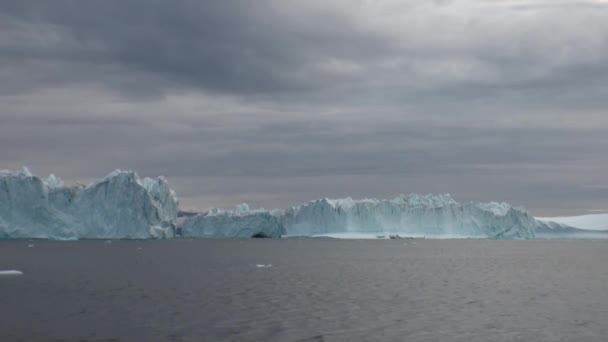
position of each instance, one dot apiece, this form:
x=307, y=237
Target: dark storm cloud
x=277, y=102
x=233, y=46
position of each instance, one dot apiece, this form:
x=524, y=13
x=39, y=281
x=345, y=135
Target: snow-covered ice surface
x=587, y=222
x=407, y=215
x=573, y=227
x=119, y=206
x=11, y=273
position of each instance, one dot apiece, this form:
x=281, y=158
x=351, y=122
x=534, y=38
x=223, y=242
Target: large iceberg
x=123, y=206
x=241, y=223
x=120, y=205
x=411, y=215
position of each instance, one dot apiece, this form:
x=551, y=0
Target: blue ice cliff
x=119, y=206
x=411, y=215
x=123, y=206
x=242, y=223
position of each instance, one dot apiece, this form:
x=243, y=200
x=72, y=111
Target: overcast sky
x=277, y=102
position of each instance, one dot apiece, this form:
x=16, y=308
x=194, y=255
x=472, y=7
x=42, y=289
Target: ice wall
x=586, y=222
x=574, y=227
x=242, y=223
x=123, y=206
x=119, y=206
x=435, y=215
x=411, y=215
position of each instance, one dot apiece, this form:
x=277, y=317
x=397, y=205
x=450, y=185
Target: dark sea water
x=315, y=290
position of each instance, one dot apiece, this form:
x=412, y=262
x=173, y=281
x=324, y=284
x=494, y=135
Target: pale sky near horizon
x=278, y=102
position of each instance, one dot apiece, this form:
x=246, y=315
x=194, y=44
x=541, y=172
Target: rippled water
x=305, y=290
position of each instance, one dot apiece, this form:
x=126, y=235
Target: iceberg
x=123, y=206
x=119, y=206
x=406, y=215
x=586, y=222
x=593, y=226
x=240, y=223
x=410, y=215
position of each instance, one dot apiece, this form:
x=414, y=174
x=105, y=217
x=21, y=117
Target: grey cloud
x=278, y=102
x=224, y=46
x=272, y=47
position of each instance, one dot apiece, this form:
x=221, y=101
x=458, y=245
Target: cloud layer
x=279, y=102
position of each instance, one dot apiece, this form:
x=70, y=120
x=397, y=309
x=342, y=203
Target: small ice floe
x=10, y=273
x=139, y=248
x=108, y=241
x=263, y=265
x=30, y=246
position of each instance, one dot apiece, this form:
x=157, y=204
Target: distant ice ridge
x=119, y=206
x=586, y=222
x=408, y=215
x=593, y=226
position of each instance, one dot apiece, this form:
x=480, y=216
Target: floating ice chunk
x=11, y=273
x=263, y=265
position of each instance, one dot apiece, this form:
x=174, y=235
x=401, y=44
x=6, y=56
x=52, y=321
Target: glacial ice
x=586, y=222
x=120, y=205
x=406, y=215
x=242, y=223
x=123, y=206
x=592, y=226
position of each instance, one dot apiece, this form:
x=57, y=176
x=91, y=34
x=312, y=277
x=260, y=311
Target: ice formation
x=242, y=222
x=123, y=206
x=551, y=227
x=586, y=222
x=594, y=226
x=411, y=215
x=120, y=206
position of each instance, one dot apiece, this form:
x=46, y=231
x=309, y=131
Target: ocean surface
x=305, y=290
